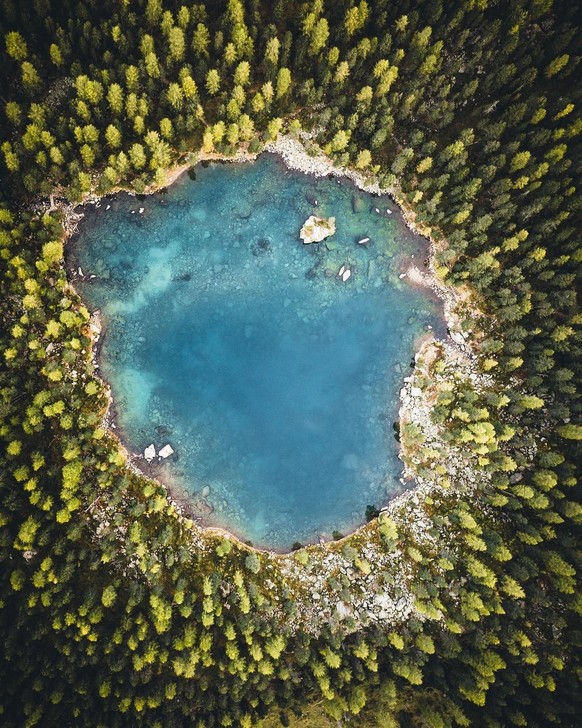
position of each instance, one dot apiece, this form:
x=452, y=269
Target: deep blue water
x=275, y=382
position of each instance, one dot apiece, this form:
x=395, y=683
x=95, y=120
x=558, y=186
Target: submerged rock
x=316, y=229
x=358, y=203
x=244, y=213
x=350, y=461
x=261, y=246
x=202, y=507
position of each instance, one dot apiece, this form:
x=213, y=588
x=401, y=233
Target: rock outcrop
x=316, y=229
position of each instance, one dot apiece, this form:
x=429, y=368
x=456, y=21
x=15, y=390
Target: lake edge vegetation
x=114, y=610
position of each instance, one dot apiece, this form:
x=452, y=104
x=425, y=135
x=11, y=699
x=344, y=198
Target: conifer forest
x=118, y=610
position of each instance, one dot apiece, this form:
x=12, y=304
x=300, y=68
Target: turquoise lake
x=274, y=381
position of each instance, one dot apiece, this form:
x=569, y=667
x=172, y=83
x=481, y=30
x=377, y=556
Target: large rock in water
x=166, y=451
x=358, y=203
x=316, y=229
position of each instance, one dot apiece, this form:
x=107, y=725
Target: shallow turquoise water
x=275, y=382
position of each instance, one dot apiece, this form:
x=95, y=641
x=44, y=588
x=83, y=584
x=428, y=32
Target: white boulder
x=149, y=453
x=343, y=610
x=316, y=229
x=346, y=274
x=166, y=451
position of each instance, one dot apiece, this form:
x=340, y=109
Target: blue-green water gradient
x=275, y=382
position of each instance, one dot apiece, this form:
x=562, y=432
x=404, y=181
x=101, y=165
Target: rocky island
x=316, y=229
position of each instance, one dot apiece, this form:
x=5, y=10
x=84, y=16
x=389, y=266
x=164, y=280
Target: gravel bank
x=296, y=157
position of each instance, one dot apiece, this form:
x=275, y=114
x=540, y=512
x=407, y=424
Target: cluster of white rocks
x=344, y=273
x=149, y=453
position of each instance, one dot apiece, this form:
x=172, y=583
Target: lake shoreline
x=295, y=157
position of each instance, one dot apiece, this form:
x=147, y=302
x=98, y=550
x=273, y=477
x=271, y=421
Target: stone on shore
x=343, y=610
x=316, y=229
x=149, y=453
x=166, y=451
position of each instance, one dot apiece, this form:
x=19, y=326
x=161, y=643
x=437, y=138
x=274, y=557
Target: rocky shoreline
x=370, y=600
x=295, y=156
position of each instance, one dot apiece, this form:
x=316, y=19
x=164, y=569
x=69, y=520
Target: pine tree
x=212, y=82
